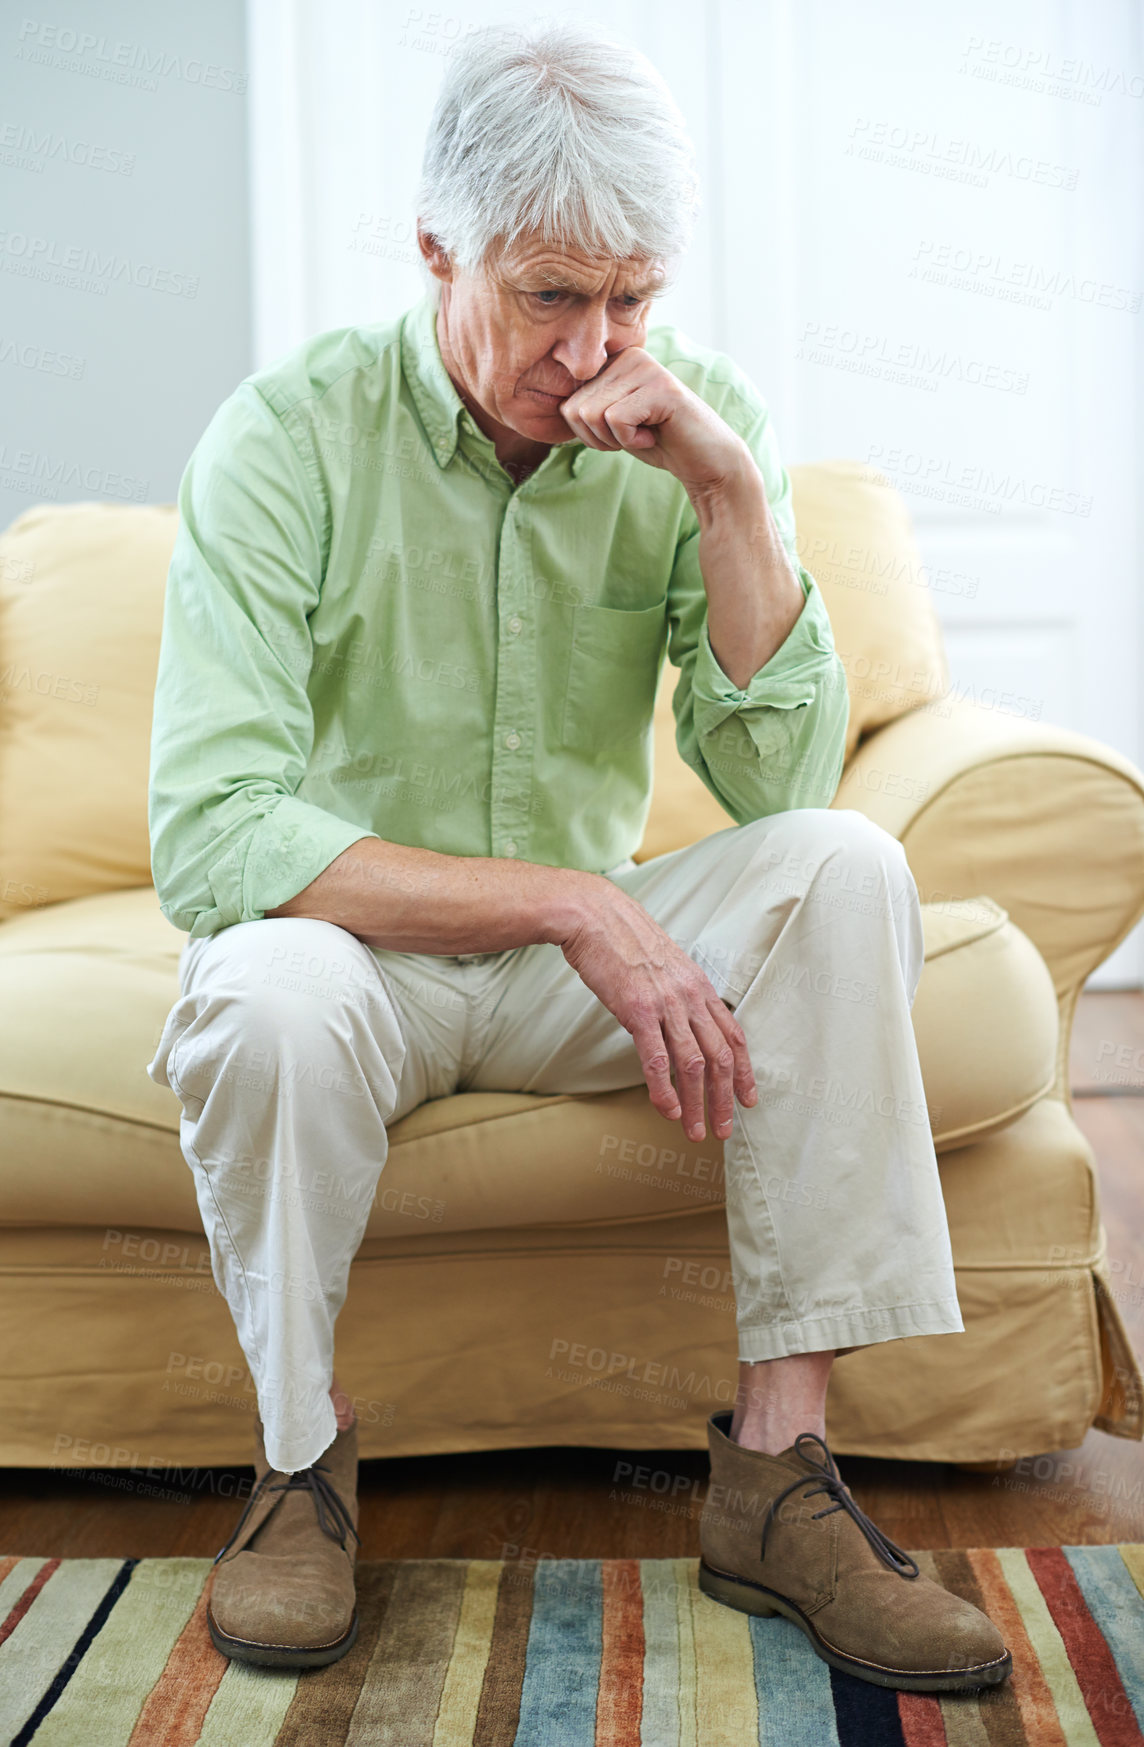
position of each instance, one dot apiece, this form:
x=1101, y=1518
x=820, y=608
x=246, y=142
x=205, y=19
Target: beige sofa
x=544, y=1270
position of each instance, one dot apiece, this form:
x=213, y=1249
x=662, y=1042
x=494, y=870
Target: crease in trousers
x=293, y=1047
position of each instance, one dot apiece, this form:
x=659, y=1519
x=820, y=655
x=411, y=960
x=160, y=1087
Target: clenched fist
x=636, y=404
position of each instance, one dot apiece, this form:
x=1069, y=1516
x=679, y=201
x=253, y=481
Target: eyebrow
x=556, y=282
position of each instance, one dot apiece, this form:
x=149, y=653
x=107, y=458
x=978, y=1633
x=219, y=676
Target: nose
x=582, y=347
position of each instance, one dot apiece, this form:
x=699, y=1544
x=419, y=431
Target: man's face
x=526, y=331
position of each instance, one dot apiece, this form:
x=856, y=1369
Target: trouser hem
x=779, y=1340
x=291, y=1454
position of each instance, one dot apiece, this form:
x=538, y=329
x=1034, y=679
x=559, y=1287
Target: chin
x=542, y=426
x=531, y=407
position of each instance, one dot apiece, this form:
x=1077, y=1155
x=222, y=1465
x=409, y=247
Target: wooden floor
x=561, y=1503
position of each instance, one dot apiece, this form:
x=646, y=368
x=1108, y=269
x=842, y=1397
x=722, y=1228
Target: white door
x=953, y=276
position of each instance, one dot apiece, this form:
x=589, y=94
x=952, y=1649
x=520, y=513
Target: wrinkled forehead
x=532, y=264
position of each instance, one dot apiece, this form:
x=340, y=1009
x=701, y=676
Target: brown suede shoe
x=861, y=1600
x=283, y=1591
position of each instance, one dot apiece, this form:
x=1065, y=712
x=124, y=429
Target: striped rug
x=562, y=1653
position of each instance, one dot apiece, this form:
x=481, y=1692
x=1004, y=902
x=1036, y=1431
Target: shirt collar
x=440, y=406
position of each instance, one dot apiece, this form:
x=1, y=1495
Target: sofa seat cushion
x=86, y=1138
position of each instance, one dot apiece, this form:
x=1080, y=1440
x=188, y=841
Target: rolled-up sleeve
x=779, y=742
x=232, y=725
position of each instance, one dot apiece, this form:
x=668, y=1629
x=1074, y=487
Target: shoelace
x=834, y=1486
x=333, y=1516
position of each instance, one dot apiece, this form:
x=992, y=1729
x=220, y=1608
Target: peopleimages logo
x=1051, y=75
x=990, y=274
x=25, y=356
x=909, y=364
x=93, y=269
x=938, y=476
x=45, y=476
x=934, y=154
x=123, y=63
x=24, y=147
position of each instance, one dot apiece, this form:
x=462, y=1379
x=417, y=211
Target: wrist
x=734, y=491
x=569, y=897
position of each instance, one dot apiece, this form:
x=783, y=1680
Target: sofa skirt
x=119, y=1351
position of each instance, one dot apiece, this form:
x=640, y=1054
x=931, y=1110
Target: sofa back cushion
x=81, y=605
x=855, y=538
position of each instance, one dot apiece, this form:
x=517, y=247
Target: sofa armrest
x=1048, y=823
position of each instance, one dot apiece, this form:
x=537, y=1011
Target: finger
x=630, y=420
x=720, y=1066
x=614, y=412
x=655, y=1060
x=690, y=1066
x=746, y=1089
x=618, y=419
x=575, y=424
x=569, y=412
x=588, y=416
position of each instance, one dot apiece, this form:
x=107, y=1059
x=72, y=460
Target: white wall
x=921, y=236
x=124, y=243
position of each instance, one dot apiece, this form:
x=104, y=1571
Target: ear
x=434, y=255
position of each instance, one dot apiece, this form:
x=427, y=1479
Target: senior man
x=425, y=575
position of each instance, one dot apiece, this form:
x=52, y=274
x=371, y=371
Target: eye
x=544, y=296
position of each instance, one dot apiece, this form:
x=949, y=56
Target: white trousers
x=293, y=1046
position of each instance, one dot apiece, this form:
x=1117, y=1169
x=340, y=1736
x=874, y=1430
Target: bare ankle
x=773, y=1438
x=779, y=1398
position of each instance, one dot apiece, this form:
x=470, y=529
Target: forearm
x=404, y=899
x=754, y=595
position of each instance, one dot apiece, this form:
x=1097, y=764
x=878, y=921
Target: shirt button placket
x=516, y=655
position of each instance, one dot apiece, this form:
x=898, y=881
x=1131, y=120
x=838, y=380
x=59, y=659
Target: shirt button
x=515, y=625
x=510, y=847
x=512, y=741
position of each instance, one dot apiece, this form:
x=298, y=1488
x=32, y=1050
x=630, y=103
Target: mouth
x=545, y=395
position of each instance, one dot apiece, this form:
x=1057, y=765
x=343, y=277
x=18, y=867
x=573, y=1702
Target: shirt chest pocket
x=613, y=667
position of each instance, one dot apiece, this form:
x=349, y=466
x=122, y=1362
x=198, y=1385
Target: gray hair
x=560, y=129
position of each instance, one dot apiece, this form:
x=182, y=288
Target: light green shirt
x=369, y=631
